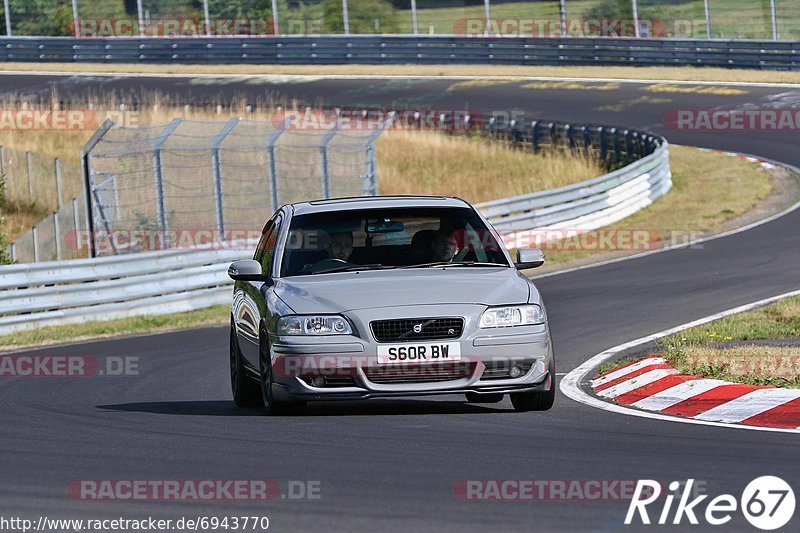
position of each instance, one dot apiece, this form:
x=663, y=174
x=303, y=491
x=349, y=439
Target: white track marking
x=571, y=383
x=674, y=395
x=616, y=374
x=751, y=404
x=400, y=76
x=639, y=381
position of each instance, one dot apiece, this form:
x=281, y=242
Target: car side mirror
x=529, y=258
x=247, y=270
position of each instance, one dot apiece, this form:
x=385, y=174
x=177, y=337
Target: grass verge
x=734, y=349
x=211, y=316
x=704, y=74
x=709, y=190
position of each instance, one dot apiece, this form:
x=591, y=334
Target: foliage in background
x=365, y=16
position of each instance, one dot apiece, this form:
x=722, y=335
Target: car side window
x=268, y=244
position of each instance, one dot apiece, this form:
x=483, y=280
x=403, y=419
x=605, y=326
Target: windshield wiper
x=351, y=268
x=456, y=263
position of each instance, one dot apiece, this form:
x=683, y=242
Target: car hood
x=346, y=291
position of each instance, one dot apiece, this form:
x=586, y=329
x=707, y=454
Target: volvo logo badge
x=417, y=328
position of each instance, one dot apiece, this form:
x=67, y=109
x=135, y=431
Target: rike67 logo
x=767, y=503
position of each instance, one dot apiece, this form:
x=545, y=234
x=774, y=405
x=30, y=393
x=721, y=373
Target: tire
x=474, y=397
x=271, y=406
x=539, y=400
x=244, y=390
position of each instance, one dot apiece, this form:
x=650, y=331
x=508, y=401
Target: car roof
x=375, y=202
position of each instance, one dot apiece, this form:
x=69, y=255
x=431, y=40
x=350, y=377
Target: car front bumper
x=351, y=370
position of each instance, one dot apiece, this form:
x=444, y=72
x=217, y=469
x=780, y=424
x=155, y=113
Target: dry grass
x=488, y=71
x=425, y=162
x=709, y=189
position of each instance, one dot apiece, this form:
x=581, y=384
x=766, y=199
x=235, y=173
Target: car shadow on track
x=362, y=408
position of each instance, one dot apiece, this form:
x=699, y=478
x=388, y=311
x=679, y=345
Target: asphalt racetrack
x=393, y=465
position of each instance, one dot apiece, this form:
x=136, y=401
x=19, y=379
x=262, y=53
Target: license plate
x=389, y=354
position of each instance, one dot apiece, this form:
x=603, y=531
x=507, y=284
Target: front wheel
x=538, y=400
x=272, y=406
x=245, y=392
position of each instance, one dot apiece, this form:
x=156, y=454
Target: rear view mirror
x=529, y=258
x=247, y=270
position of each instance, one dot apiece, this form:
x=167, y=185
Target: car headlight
x=512, y=315
x=314, y=325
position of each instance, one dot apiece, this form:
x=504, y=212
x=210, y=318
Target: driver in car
x=445, y=245
x=340, y=245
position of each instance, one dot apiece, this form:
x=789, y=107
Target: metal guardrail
x=60, y=292
x=394, y=49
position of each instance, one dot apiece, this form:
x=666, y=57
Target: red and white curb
x=651, y=384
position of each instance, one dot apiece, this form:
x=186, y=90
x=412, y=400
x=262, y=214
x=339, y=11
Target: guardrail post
x=553, y=136
x=570, y=136
x=535, y=135
x=216, y=168
x=158, y=177
x=587, y=139
x=57, y=230
x=601, y=131
x=628, y=145
x=58, y=183
x=13, y=251
x=29, y=157
x=35, y=234
x=617, y=148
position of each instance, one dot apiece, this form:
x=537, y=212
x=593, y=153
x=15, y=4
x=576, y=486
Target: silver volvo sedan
x=377, y=297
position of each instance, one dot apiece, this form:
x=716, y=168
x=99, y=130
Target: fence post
x=158, y=177
x=276, y=28
x=273, y=168
x=57, y=229
x=76, y=224
x=345, y=18
x=708, y=19
x=29, y=157
x=206, y=18
x=414, y=21
x=75, y=23
x=773, y=12
x=140, y=16
x=636, y=30
x=4, y=170
x=563, y=12
x=58, y=183
x=7, y=13
x=86, y=170
x=628, y=145
x=13, y=250
x=216, y=166
x=323, y=150
x=487, y=8
x=35, y=244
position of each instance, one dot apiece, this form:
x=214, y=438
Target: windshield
x=369, y=239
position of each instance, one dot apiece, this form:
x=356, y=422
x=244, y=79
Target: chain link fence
x=194, y=183
x=718, y=19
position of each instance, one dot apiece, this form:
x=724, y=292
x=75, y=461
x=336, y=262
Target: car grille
x=499, y=369
x=429, y=373
x=402, y=330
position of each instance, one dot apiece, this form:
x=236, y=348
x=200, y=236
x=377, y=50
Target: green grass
x=211, y=316
x=720, y=350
